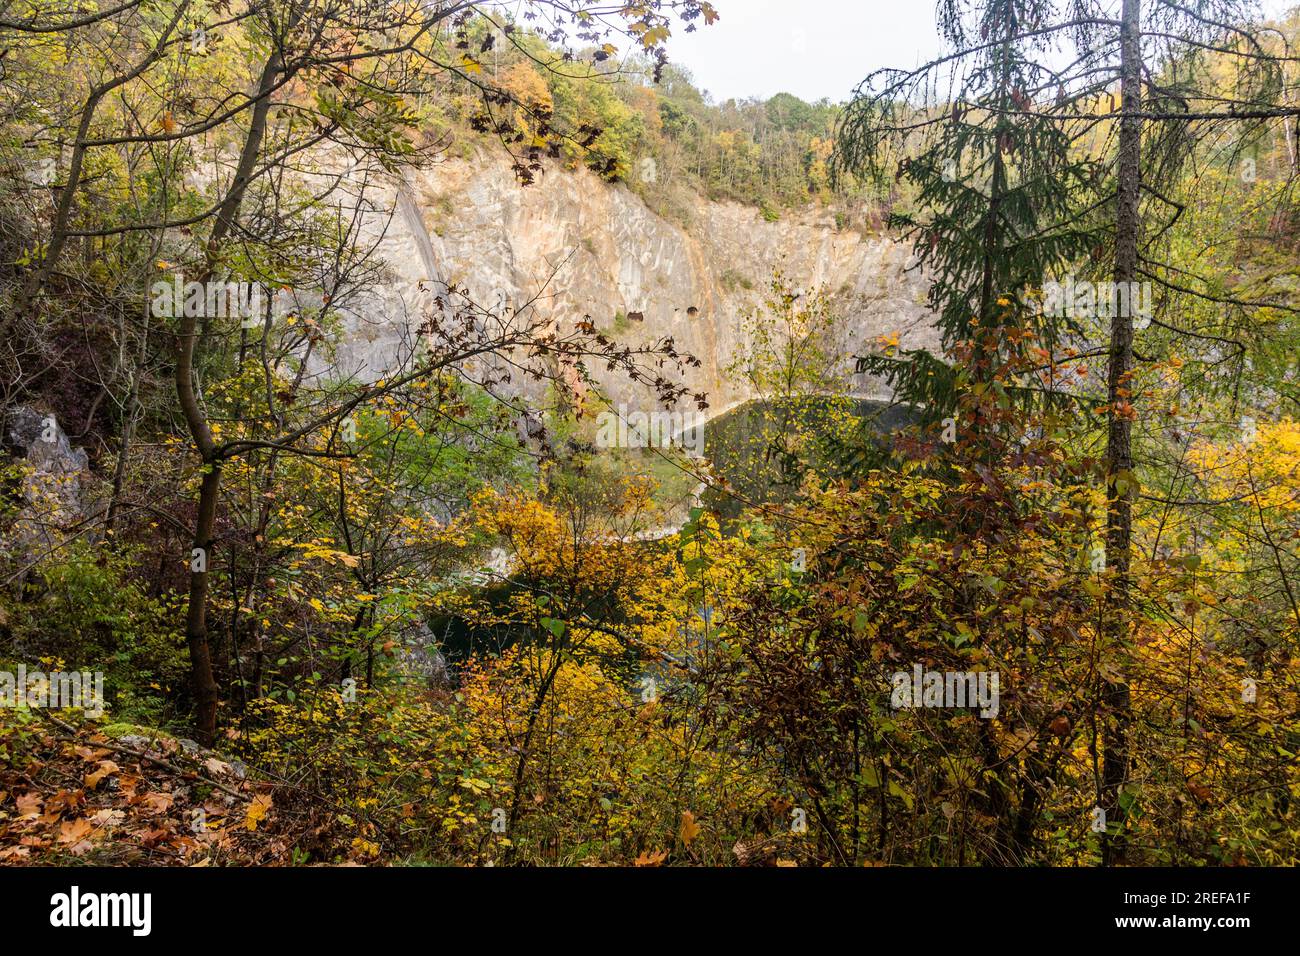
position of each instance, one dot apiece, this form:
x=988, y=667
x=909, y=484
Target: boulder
x=55, y=481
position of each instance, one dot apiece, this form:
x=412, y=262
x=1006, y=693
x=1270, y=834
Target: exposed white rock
x=579, y=246
x=55, y=481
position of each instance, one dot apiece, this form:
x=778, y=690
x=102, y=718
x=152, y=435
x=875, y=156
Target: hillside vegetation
x=254, y=609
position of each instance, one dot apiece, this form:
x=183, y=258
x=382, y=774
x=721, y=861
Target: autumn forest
x=438, y=433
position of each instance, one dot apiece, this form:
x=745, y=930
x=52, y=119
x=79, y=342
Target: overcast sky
x=812, y=48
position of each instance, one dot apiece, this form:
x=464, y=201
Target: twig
x=166, y=765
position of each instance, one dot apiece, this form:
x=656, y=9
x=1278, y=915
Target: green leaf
x=896, y=790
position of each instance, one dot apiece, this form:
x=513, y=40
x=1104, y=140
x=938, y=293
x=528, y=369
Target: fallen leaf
x=106, y=767
x=159, y=801
x=152, y=838
x=29, y=806
x=257, y=809
x=71, y=831
x=65, y=800
x=107, y=817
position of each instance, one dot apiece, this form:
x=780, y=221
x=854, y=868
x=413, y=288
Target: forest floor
x=84, y=795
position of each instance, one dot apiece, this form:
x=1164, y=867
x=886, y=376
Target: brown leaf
x=72, y=831
x=29, y=805
x=65, y=800
x=153, y=837
x=106, y=767
x=158, y=801
x=108, y=817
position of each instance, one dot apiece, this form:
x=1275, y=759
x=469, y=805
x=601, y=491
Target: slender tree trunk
x=196, y=620
x=119, y=470
x=60, y=227
x=196, y=623
x=1119, y=444
x=130, y=418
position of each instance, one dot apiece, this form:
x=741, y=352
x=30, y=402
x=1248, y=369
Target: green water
x=748, y=445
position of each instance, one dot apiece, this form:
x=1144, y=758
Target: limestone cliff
x=587, y=247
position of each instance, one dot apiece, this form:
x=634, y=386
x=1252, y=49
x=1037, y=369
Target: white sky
x=813, y=48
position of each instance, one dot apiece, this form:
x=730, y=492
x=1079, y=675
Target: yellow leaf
x=257, y=809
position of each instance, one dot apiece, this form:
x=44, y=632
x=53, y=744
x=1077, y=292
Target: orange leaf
x=106, y=767
x=73, y=831
x=690, y=829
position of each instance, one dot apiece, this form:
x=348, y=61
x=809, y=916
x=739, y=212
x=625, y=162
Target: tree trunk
x=187, y=341
x=1119, y=445
x=196, y=624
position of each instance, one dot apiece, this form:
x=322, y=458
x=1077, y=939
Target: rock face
x=53, y=481
x=577, y=246
x=420, y=657
x=42, y=442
